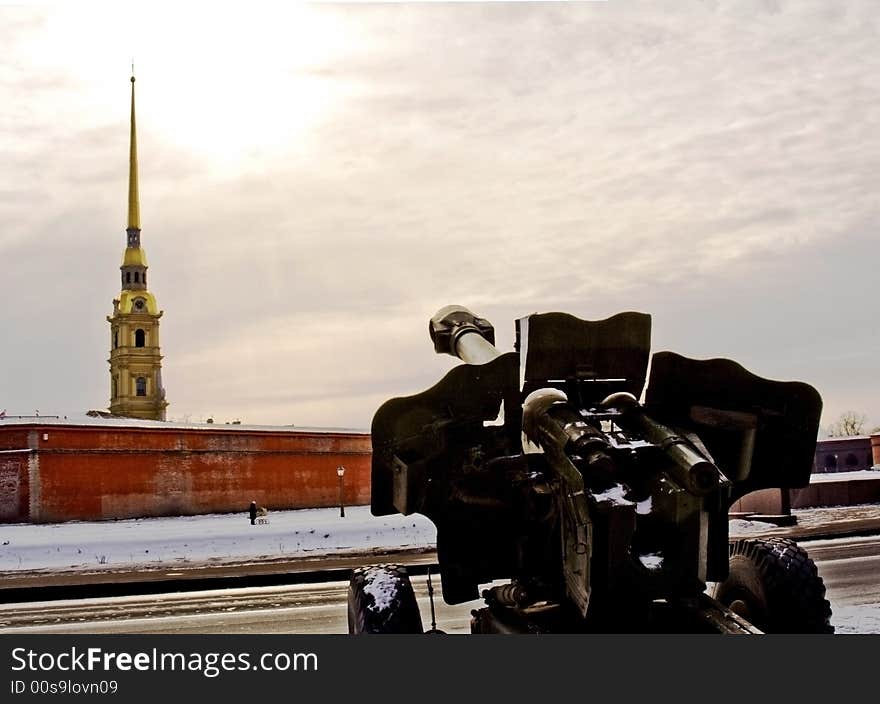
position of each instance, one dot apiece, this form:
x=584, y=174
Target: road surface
x=850, y=568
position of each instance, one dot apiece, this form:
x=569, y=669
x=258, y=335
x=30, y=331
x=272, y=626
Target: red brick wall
x=13, y=437
x=90, y=473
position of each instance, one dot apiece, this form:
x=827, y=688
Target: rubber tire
x=399, y=610
x=779, y=585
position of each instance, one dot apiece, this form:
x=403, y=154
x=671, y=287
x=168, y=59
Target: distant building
x=136, y=388
x=850, y=454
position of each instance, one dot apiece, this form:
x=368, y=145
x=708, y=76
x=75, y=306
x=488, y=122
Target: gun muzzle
x=457, y=331
x=697, y=474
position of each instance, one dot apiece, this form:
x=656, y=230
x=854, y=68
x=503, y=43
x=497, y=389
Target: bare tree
x=849, y=423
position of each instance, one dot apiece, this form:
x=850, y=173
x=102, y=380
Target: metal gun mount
x=543, y=467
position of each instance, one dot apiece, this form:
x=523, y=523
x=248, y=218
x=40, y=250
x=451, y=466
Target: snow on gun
x=541, y=467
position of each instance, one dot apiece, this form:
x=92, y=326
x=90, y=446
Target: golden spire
x=134, y=209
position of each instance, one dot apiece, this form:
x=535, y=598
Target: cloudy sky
x=316, y=181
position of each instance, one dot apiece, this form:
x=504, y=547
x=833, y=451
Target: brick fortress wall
x=63, y=471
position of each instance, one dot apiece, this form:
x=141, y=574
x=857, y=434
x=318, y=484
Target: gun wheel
x=775, y=585
x=381, y=600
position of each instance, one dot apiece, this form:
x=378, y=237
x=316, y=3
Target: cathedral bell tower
x=136, y=387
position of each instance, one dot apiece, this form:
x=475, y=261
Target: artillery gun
x=584, y=508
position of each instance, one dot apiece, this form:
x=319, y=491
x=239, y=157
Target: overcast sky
x=316, y=181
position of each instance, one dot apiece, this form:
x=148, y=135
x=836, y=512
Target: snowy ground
x=218, y=538
x=230, y=538
x=210, y=539
x=861, y=618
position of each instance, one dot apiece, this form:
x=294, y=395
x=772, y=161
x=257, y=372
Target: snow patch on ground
x=209, y=539
x=738, y=526
x=864, y=618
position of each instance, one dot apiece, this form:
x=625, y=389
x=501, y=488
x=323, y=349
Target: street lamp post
x=340, y=472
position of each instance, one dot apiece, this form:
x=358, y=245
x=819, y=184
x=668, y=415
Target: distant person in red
x=253, y=512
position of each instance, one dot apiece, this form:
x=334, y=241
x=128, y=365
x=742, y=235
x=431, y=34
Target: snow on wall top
x=90, y=421
x=826, y=477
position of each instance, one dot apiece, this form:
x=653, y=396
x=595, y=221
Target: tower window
x=115, y=339
x=128, y=277
x=140, y=338
x=141, y=386
x=137, y=277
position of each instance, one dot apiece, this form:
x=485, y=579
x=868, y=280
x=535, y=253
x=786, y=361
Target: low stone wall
x=764, y=501
x=827, y=492
x=845, y=492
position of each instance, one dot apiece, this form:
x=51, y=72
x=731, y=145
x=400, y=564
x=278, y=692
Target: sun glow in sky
x=317, y=180
x=227, y=83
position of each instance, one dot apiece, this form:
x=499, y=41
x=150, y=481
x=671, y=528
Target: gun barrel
x=549, y=422
x=473, y=348
x=690, y=468
x=457, y=331
x=699, y=475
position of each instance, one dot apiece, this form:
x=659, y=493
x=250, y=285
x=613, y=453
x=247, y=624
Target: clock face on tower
x=138, y=304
